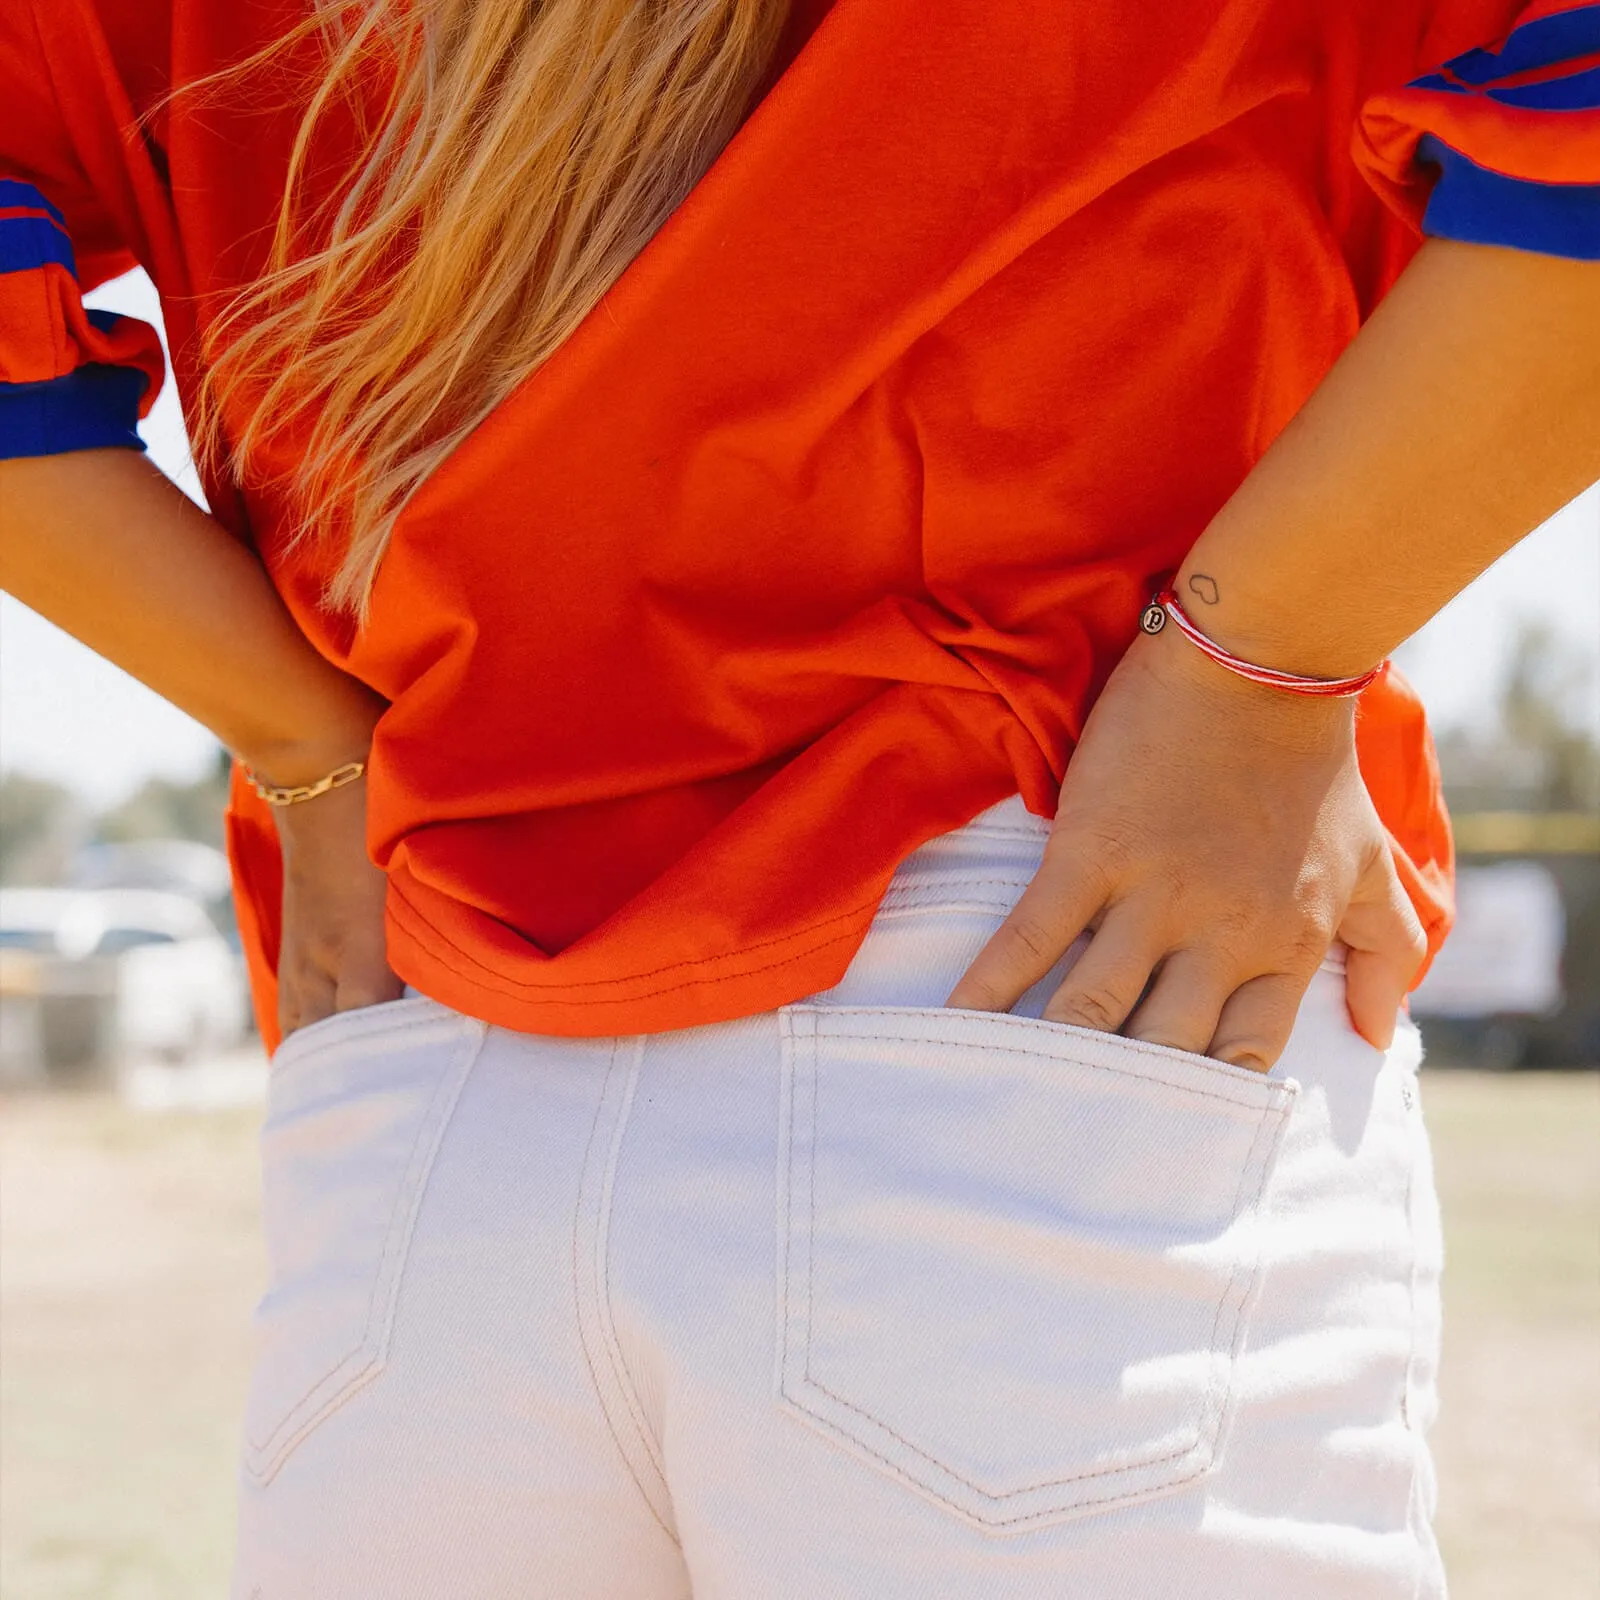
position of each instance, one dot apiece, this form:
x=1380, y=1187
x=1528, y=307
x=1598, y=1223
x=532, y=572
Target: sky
x=67, y=715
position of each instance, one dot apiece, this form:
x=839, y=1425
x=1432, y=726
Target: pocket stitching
x=1066, y=1031
x=1239, y=1207
x=1270, y=1117
x=264, y=1458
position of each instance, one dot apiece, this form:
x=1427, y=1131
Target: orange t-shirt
x=822, y=535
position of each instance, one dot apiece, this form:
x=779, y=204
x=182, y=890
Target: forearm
x=107, y=548
x=1465, y=412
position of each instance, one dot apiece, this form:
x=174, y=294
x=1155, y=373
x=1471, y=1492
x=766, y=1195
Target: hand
x=1214, y=837
x=332, y=955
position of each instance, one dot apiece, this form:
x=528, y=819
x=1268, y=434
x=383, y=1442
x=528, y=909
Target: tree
x=1536, y=754
x=1538, y=708
x=41, y=825
x=162, y=809
x=44, y=825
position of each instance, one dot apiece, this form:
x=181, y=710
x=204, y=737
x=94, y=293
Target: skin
x=108, y=549
x=1213, y=836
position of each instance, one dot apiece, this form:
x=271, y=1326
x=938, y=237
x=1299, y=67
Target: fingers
x=1104, y=986
x=1055, y=908
x=321, y=997
x=1386, y=946
x=1196, y=1004
x=1183, y=1004
x=309, y=997
x=310, y=989
x=1196, y=1001
x=1256, y=1020
x=1216, y=996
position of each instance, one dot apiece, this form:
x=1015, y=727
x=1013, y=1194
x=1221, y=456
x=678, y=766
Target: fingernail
x=1372, y=1036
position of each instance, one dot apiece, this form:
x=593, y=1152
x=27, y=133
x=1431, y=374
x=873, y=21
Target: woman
x=680, y=475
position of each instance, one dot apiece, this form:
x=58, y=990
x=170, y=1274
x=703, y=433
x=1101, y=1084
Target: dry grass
x=1518, y=1440
x=130, y=1259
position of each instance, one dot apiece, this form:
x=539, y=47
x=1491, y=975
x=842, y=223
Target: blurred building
x=1518, y=981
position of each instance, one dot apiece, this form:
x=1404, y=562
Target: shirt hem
x=711, y=989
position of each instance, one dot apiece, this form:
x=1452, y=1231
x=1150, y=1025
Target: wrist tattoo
x=1204, y=588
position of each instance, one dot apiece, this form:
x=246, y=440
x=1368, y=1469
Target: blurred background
x=131, y=1082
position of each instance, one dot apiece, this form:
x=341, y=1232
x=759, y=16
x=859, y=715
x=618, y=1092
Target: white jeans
x=863, y=1297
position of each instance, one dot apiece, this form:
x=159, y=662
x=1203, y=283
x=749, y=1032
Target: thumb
x=1386, y=945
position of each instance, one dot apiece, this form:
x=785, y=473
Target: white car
x=119, y=973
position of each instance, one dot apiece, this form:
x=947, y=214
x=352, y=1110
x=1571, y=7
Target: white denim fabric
x=860, y=1298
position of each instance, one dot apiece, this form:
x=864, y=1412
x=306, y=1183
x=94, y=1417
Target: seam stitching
x=1255, y=1161
x=374, y=1341
x=618, y=1363
x=580, y=1300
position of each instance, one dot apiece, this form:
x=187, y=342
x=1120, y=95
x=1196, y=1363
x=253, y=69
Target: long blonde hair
x=522, y=154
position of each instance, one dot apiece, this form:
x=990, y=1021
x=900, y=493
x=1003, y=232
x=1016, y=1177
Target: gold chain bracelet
x=276, y=796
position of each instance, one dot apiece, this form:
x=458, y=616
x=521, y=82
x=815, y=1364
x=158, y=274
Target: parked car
x=116, y=972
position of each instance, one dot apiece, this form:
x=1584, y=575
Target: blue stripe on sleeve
x=1542, y=43
x=14, y=192
x=88, y=409
x=1578, y=92
x=30, y=242
x=1438, y=84
x=103, y=321
x=1477, y=206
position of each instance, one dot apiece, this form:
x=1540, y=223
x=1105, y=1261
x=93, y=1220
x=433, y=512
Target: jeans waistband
x=993, y=856
x=944, y=901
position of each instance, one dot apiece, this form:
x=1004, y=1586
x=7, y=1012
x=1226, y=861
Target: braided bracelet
x=1166, y=604
x=276, y=796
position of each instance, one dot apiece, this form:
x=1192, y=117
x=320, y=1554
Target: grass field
x=129, y=1260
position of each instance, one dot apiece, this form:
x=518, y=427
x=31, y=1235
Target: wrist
x=295, y=759
x=1237, y=709
x=1292, y=636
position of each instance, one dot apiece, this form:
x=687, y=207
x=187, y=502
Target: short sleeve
x=70, y=378
x=1500, y=145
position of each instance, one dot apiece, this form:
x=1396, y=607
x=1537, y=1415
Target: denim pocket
x=357, y=1106
x=1017, y=1258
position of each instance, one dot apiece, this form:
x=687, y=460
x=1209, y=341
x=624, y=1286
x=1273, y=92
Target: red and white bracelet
x=1166, y=604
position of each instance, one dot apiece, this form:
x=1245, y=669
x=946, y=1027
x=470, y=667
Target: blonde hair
x=522, y=154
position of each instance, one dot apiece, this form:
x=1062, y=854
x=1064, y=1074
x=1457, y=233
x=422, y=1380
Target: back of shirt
x=822, y=533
